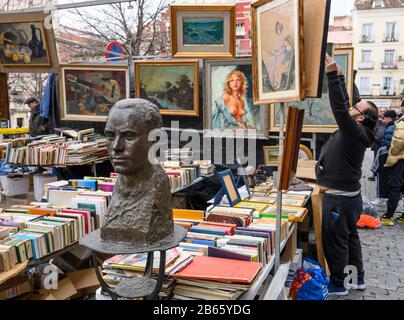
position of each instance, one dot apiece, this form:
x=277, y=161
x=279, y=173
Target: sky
x=341, y=7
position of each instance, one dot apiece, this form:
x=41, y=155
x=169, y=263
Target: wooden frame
x=295, y=65
x=44, y=39
x=217, y=71
x=229, y=186
x=4, y=99
x=271, y=161
x=320, y=105
x=66, y=77
x=291, y=148
x=142, y=93
x=193, y=50
x=316, y=22
x=306, y=150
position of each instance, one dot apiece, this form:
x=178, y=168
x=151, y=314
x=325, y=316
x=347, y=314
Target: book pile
x=123, y=267
x=81, y=153
x=184, y=155
x=102, y=151
x=206, y=168
x=211, y=278
x=179, y=176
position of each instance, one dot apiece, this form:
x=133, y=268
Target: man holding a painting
x=338, y=172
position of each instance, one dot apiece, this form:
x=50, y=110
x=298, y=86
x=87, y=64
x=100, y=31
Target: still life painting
x=89, y=92
x=23, y=44
x=171, y=85
x=229, y=103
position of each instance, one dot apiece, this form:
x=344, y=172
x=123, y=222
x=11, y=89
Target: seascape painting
x=89, y=93
x=203, y=31
x=23, y=44
x=172, y=86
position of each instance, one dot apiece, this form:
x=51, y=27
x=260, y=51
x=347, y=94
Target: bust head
x=128, y=125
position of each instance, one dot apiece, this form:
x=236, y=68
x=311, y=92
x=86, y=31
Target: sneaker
x=361, y=285
x=388, y=221
x=400, y=220
x=339, y=291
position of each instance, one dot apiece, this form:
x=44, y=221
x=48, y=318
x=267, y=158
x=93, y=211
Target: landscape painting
x=23, y=44
x=203, y=31
x=89, y=92
x=171, y=85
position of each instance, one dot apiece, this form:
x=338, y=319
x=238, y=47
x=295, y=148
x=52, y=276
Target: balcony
x=390, y=37
x=388, y=92
x=389, y=65
x=366, y=65
x=366, y=38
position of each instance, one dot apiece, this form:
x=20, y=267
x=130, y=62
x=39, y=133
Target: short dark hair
x=371, y=114
x=31, y=99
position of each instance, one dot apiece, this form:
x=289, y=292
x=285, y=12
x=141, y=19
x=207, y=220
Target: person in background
x=390, y=117
x=37, y=125
x=395, y=182
x=379, y=133
x=338, y=172
x=401, y=110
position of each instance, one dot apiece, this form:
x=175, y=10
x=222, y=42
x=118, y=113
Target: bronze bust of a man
x=140, y=208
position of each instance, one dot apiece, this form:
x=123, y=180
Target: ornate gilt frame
x=258, y=99
x=191, y=53
x=193, y=63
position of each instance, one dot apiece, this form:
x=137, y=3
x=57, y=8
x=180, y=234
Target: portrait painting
x=278, y=41
x=171, y=85
x=318, y=117
x=203, y=31
x=229, y=108
x=88, y=92
x=23, y=43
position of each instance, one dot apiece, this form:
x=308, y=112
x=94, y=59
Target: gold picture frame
x=190, y=37
x=88, y=92
x=157, y=73
x=271, y=156
x=278, y=65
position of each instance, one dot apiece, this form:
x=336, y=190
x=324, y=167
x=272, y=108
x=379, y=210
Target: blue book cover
x=208, y=231
x=200, y=241
x=32, y=238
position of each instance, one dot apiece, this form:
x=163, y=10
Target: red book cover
x=229, y=228
x=85, y=214
x=219, y=269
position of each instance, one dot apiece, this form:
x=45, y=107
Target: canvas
x=171, y=85
x=89, y=92
x=202, y=31
x=278, y=64
x=23, y=43
x=229, y=101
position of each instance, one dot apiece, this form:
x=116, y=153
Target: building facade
x=378, y=39
x=340, y=32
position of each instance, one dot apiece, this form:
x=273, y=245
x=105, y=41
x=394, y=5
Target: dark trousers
x=341, y=242
x=395, y=185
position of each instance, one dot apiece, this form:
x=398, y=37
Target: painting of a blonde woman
x=229, y=110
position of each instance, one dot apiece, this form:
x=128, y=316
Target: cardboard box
x=64, y=291
x=85, y=281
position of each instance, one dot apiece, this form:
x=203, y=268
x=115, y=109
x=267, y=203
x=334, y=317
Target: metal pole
x=314, y=145
x=279, y=191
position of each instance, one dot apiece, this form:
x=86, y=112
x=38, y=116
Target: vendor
x=37, y=124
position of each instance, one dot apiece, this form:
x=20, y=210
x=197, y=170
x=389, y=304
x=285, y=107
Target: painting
x=171, y=85
x=203, y=31
x=271, y=156
x=229, y=108
x=318, y=117
x=88, y=92
x=23, y=43
x=278, y=40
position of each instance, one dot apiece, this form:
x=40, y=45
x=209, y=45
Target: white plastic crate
x=15, y=186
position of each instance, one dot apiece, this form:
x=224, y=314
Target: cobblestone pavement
x=383, y=253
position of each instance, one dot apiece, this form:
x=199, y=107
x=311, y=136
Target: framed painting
x=271, y=156
x=88, y=92
x=173, y=85
x=318, y=117
x=229, y=108
x=24, y=44
x=278, y=65
x=203, y=31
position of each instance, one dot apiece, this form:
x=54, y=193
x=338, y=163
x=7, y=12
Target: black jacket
x=379, y=133
x=340, y=162
x=37, y=124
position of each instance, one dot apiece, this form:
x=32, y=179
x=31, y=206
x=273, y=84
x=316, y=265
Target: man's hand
x=330, y=64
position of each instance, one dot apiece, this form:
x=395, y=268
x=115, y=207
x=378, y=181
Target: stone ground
x=383, y=253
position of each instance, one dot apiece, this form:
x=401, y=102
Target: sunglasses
x=356, y=108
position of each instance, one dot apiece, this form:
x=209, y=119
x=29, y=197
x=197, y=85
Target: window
x=367, y=32
x=366, y=55
x=377, y=3
x=389, y=57
x=388, y=84
x=364, y=87
x=390, y=34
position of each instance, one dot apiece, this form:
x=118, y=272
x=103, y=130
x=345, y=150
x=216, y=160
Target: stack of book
x=184, y=155
x=206, y=168
x=180, y=176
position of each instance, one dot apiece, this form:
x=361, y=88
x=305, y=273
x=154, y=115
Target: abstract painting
x=229, y=102
x=89, y=92
x=278, y=43
x=203, y=31
x=171, y=85
x=23, y=44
